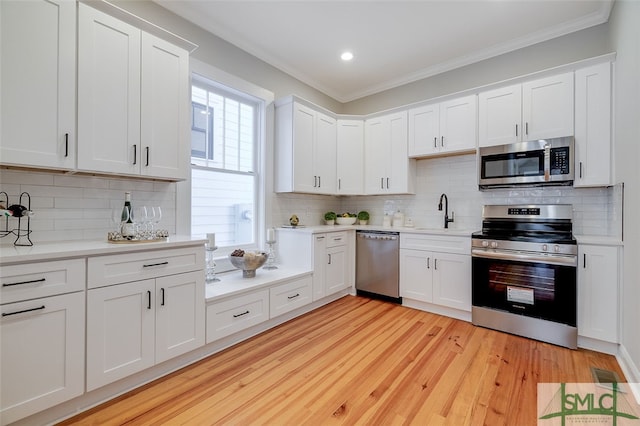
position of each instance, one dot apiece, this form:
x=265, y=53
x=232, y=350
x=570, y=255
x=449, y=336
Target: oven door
x=531, y=288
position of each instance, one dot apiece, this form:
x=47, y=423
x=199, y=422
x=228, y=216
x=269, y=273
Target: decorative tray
x=148, y=237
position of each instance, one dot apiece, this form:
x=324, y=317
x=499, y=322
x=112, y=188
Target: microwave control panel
x=559, y=161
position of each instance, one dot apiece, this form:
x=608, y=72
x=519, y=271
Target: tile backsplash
x=597, y=211
x=73, y=207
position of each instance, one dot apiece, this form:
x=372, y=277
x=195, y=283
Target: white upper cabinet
x=164, y=109
x=38, y=83
x=387, y=167
x=536, y=109
x=593, y=126
x=500, y=116
x=446, y=127
x=305, y=153
x=547, y=107
x=350, y=157
x=108, y=93
x=132, y=100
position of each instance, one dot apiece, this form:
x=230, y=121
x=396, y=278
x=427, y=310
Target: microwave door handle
x=547, y=162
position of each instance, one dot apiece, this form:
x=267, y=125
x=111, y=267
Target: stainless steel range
x=524, y=272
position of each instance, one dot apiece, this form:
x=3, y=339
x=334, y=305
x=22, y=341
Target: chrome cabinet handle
x=6, y=314
x=40, y=280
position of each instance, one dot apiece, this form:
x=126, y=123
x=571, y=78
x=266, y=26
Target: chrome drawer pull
x=294, y=296
x=239, y=315
x=155, y=264
x=24, y=282
x=6, y=314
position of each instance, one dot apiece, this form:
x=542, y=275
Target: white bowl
x=346, y=220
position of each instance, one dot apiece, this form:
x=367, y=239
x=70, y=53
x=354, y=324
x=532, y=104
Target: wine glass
x=139, y=217
x=157, y=216
x=118, y=217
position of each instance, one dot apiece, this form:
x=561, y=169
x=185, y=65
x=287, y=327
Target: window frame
x=263, y=156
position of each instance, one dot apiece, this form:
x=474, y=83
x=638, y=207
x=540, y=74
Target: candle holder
x=210, y=269
x=271, y=256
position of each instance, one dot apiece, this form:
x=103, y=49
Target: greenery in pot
x=363, y=215
x=330, y=217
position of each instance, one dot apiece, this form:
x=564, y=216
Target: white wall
x=625, y=39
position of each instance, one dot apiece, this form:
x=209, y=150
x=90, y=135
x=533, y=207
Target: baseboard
x=598, y=345
x=437, y=309
x=630, y=370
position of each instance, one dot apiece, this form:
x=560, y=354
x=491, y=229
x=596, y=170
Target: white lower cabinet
x=289, y=296
x=442, y=278
x=41, y=353
x=236, y=314
x=333, y=262
x=134, y=325
x=598, y=292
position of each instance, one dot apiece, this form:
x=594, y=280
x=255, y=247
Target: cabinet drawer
x=439, y=243
x=335, y=239
x=290, y=296
x=230, y=316
x=121, y=268
x=33, y=280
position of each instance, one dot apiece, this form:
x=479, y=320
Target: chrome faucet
x=446, y=210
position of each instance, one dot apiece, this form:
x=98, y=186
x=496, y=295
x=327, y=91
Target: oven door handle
x=529, y=257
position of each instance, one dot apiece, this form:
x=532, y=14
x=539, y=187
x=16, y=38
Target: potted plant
x=330, y=218
x=363, y=217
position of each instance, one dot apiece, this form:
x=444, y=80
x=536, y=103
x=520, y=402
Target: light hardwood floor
x=359, y=361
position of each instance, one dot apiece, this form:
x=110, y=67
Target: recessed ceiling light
x=346, y=56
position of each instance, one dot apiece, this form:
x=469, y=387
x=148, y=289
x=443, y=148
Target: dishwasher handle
x=378, y=236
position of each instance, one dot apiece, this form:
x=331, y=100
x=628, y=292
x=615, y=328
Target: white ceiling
x=394, y=42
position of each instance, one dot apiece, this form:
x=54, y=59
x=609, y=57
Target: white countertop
x=231, y=283
x=69, y=249
x=416, y=230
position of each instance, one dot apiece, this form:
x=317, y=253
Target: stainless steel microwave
x=533, y=163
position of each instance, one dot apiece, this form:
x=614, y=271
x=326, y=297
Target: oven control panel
x=524, y=211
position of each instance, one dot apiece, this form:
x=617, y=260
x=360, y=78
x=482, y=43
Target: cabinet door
x=324, y=158
x=598, y=292
x=350, y=157
x=108, y=93
x=165, y=109
x=547, y=107
x=500, y=116
x=452, y=281
x=400, y=168
x=304, y=179
x=376, y=154
x=120, y=331
x=41, y=353
x=458, y=124
x=593, y=126
x=319, y=269
x=424, y=130
x=336, y=269
x=38, y=74
x=180, y=311
x=416, y=275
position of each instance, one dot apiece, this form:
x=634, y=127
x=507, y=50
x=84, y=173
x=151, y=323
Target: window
x=225, y=171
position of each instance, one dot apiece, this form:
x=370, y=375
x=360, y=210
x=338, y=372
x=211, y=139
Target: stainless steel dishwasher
x=377, y=258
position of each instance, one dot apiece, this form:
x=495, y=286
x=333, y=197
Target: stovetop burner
x=540, y=225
